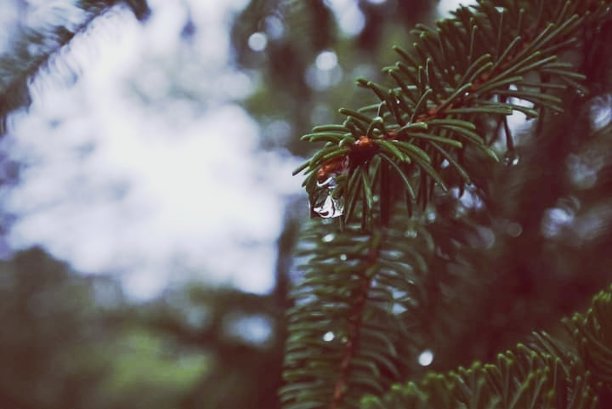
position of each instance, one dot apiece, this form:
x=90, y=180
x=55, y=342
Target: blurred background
x=148, y=212
x=147, y=204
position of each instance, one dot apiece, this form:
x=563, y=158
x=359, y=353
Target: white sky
x=156, y=191
x=446, y=6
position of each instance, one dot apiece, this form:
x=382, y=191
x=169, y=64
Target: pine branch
x=366, y=294
x=471, y=67
x=546, y=373
x=35, y=49
x=356, y=307
x=434, y=274
x=366, y=303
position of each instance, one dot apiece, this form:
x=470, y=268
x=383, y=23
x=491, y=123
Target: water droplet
x=330, y=206
x=343, y=257
x=512, y=158
x=329, y=237
x=426, y=357
x=329, y=183
x=326, y=203
x=328, y=336
x=500, y=9
x=444, y=164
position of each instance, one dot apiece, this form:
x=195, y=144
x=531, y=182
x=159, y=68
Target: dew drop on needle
x=329, y=207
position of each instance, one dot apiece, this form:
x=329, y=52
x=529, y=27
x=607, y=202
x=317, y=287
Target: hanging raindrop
x=326, y=204
x=511, y=158
x=329, y=183
x=330, y=206
x=326, y=200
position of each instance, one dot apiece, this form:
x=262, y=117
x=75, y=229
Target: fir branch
x=361, y=317
x=349, y=327
x=394, y=150
x=463, y=71
x=355, y=321
x=546, y=373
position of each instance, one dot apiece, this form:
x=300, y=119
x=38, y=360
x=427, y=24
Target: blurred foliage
x=291, y=88
x=34, y=47
x=46, y=320
x=72, y=341
x=67, y=342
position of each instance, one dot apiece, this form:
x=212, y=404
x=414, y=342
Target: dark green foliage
x=470, y=268
x=592, y=335
x=354, y=312
x=546, y=373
